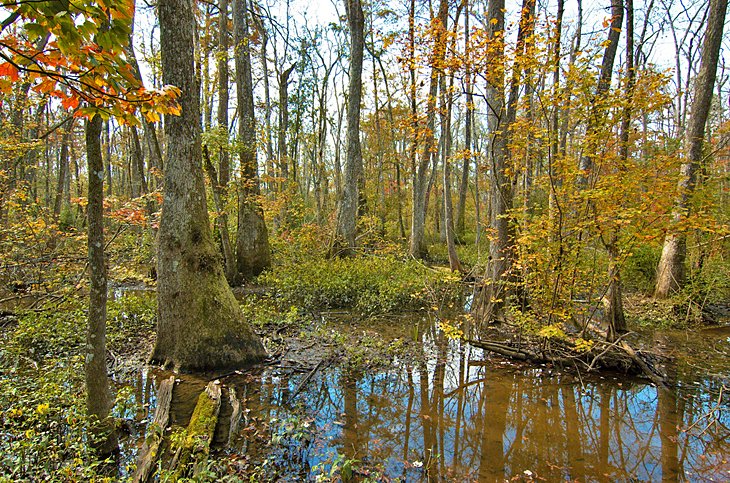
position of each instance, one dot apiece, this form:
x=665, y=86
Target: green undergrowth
x=44, y=423
x=365, y=285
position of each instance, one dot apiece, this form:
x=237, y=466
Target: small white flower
x=418, y=464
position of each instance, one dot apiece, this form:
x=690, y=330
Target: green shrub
x=367, y=285
x=639, y=270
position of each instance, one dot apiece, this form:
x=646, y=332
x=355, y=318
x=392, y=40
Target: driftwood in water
x=150, y=451
x=609, y=355
x=645, y=366
x=192, y=455
x=236, y=413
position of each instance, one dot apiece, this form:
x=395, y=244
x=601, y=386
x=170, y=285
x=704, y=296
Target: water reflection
x=456, y=415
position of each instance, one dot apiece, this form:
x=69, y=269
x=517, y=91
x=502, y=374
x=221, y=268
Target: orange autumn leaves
x=77, y=54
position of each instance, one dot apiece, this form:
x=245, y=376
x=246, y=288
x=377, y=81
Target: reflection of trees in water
x=463, y=417
x=473, y=417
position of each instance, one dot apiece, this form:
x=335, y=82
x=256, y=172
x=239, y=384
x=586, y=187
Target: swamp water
x=459, y=414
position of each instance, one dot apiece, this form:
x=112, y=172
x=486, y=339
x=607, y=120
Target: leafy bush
x=367, y=285
x=44, y=422
x=639, y=270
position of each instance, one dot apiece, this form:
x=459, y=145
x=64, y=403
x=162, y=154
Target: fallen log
x=505, y=350
x=306, y=379
x=150, y=451
x=192, y=455
x=616, y=355
x=645, y=366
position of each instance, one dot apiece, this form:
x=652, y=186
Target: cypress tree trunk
x=670, y=273
x=253, y=254
x=199, y=322
x=220, y=182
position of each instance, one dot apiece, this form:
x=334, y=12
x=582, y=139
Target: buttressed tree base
x=200, y=325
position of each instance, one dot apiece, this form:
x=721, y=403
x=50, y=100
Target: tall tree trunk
x=283, y=121
x=224, y=165
x=554, y=223
x=99, y=399
x=416, y=241
x=598, y=109
x=219, y=197
x=199, y=322
x=445, y=108
x=614, y=309
x=252, y=246
x=348, y=210
x=108, y=158
x=150, y=136
x=491, y=301
x=63, y=198
x=468, y=126
x=270, y=183
x=422, y=182
x=220, y=182
x=139, y=183
x=671, y=271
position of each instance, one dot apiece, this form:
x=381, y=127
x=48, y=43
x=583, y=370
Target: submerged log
x=150, y=451
x=192, y=455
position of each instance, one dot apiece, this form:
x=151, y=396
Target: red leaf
x=71, y=102
x=9, y=70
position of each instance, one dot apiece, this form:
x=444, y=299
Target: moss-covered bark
x=200, y=324
x=199, y=434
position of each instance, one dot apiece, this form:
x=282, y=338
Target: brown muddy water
x=459, y=414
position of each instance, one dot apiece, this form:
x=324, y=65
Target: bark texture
x=253, y=253
x=671, y=271
x=199, y=323
x=348, y=209
x=99, y=400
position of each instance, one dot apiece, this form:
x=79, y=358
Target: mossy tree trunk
x=199, y=322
